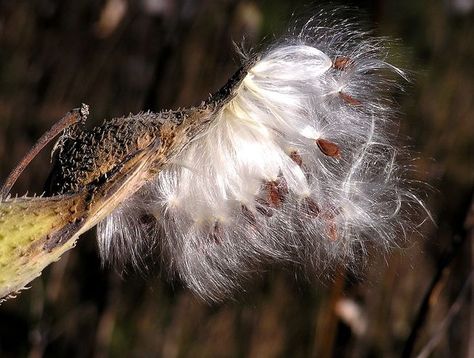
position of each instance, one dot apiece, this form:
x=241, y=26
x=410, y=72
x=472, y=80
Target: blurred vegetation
x=123, y=56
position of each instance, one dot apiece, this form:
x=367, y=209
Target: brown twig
x=75, y=116
x=453, y=311
x=442, y=265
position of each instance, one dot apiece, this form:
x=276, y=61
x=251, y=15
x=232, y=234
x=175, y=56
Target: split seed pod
x=291, y=161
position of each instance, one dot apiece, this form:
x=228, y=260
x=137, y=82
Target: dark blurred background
x=122, y=56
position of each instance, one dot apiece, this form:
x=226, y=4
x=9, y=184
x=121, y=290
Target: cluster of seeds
x=297, y=164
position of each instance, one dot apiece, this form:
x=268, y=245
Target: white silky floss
x=299, y=166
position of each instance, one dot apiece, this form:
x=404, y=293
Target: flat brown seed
x=331, y=226
x=276, y=191
x=349, y=99
x=216, y=231
x=341, y=63
x=263, y=207
x=296, y=157
x=311, y=207
x=249, y=215
x=328, y=148
x=282, y=186
x=275, y=197
x=332, y=231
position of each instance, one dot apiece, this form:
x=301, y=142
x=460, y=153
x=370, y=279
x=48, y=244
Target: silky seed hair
x=299, y=164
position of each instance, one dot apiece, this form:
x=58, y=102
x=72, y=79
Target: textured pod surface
x=29, y=231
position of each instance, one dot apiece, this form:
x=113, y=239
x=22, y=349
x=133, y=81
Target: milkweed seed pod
x=293, y=160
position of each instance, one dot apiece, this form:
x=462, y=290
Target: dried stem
x=443, y=264
x=74, y=116
x=453, y=311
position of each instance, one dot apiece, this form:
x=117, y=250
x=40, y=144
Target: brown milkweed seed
x=328, y=148
x=349, y=99
x=341, y=63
